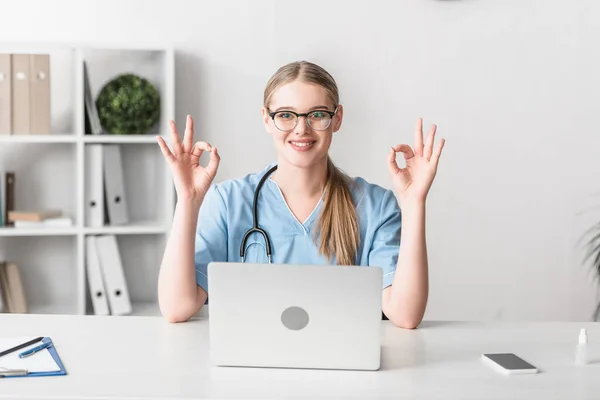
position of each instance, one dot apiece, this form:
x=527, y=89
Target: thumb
x=213, y=163
x=392, y=164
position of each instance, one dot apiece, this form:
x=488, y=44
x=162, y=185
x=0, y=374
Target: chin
x=303, y=159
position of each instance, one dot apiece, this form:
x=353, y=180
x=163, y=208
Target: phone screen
x=509, y=361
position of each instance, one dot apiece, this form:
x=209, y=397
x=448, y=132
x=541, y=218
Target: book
x=61, y=222
x=9, y=195
x=36, y=216
x=11, y=288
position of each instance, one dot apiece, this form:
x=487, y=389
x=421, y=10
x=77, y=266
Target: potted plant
x=128, y=105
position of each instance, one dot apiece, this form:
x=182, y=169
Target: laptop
x=295, y=316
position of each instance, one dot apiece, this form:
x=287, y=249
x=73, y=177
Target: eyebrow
x=310, y=109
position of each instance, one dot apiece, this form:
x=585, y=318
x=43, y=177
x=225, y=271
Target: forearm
x=177, y=288
x=407, y=298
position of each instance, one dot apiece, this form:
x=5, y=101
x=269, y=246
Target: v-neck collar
x=306, y=224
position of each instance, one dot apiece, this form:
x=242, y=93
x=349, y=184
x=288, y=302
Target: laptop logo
x=294, y=318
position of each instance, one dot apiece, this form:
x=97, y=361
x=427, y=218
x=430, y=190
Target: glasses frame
x=306, y=119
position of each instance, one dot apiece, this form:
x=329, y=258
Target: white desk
x=148, y=358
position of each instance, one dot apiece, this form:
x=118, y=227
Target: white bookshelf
x=50, y=173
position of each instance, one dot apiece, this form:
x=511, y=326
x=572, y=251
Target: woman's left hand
x=412, y=183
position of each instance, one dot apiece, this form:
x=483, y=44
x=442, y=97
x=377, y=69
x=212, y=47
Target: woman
x=314, y=213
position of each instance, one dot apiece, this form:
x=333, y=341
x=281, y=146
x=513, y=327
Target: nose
x=301, y=126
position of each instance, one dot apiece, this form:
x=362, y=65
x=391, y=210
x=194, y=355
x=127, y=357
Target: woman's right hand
x=192, y=180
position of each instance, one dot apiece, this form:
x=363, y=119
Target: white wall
x=512, y=84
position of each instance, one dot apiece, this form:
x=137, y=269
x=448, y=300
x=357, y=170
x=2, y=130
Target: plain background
x=512, y=85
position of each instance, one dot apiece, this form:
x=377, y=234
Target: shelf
x=62, y=308
x=130, y=229
x=8, y=231
x=121, y=139
x=142, y=228
x=70, y=138
x=57, y=171
x=38, y=138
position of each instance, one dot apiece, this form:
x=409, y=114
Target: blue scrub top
x=226, y=215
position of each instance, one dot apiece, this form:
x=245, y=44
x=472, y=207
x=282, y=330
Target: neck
x=301, y=182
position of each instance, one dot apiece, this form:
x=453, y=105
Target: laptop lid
x=295, y=316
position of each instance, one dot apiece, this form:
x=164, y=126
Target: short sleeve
x=211, y=235
x=386, y=238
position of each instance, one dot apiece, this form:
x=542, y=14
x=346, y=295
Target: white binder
x=113, y=275
x=116, y=203
x=94, y=185
x=95, y=280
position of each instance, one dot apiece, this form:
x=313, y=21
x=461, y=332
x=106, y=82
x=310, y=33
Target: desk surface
x=148, y=358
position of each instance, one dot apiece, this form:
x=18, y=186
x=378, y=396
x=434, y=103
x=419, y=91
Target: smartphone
x=509, y=363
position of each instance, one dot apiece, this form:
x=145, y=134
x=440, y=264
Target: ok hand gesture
x=192, y=180
x=413, y=181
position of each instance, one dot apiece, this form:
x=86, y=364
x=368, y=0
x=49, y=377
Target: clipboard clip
x=12, y=372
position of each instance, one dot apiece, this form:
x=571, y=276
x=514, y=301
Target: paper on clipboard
x=41, y=361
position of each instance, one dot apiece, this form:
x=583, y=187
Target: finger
x=437, y=152
x=188, y=136
x=165, y=149
x=197, y=150
x=405, y=149
x=419, y=137
x=428, y=148
x=213, y=164
x=175, y=139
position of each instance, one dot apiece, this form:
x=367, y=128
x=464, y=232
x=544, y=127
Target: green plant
x=128, y=104
x=593, y=254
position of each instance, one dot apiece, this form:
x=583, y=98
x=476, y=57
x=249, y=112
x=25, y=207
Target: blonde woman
x=312, y=211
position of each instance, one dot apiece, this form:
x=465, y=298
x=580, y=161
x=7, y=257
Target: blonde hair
x=338, y=224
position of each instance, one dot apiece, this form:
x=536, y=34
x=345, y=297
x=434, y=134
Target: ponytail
x=338, y=224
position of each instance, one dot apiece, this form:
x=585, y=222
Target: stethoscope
x=255, y=227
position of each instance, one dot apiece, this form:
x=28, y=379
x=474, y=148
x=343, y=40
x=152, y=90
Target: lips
x=302, y=145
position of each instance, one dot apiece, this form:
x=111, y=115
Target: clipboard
x=55, y=357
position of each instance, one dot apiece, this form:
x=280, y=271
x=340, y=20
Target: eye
x=285, y=115
x=319, y=114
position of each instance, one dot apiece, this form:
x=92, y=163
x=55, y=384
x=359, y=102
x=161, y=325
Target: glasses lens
x=319, y=120
x=285, y=121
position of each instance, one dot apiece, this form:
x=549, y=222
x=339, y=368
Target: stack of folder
x=24, y=94
x=106, y=279
x=106, y=201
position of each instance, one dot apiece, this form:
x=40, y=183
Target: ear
x=337, y=118
x=266, y=119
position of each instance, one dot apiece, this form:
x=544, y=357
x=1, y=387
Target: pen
x=34, y=350
x=12, y=372
x=5, y=352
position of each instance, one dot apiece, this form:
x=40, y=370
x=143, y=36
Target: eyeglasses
x=318, y=120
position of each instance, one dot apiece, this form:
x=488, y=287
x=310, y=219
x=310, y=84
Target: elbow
x=403, y=320
x=174, y=317
x=174, y=312
x=406, y=323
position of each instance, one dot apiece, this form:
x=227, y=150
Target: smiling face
x=302, y=146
